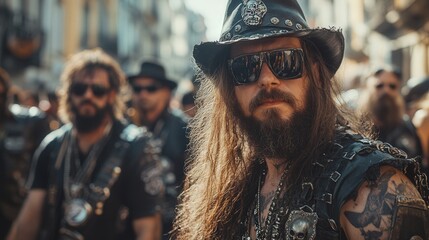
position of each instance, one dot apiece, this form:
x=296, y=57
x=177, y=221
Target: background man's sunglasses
x=79, y=89
x=283, y=63
x=150, y=88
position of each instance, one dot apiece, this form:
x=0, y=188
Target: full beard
x=387, y=111
x=276, y=137
x=86, y=123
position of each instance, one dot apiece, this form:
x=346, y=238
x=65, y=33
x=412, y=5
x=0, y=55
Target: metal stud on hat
x=250, y=20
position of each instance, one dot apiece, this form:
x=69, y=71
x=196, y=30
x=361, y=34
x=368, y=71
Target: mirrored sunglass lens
x=286, y=64
x=246, y=69
x=79, y=89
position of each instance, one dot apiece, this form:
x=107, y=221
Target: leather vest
x=128, y=143
x=351, y=161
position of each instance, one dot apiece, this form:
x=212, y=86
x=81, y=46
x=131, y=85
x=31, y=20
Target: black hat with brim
x=249, y=20
x=156, y=71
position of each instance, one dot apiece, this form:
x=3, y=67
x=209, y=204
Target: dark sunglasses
x=392, y=86
x=150, y=88
x=79, y=89
x=283, y=63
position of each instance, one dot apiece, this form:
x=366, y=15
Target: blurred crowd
x=397, y=110
x=149, y=102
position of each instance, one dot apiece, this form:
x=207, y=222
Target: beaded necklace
x=272, y=223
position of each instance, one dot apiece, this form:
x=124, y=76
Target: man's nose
x=267, y=78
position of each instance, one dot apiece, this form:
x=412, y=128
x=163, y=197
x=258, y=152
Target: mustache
x=87, y=101
x=275, y=95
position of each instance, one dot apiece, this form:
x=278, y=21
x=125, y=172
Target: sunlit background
x=37, y=36
x=213, y=13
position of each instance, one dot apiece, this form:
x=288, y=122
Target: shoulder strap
x=53, y=192
x=357, y=160
x=99, y=190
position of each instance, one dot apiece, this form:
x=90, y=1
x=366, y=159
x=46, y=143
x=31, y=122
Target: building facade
x=378, y=33
x=37, y=36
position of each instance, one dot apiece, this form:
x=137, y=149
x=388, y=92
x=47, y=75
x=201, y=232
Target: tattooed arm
x=369, y=215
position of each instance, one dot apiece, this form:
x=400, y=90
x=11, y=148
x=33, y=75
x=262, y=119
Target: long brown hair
x=220, y=184
x=85, y=62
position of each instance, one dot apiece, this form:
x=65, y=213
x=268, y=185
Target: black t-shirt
x=138, y=187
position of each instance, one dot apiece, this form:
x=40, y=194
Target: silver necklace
x=271, y=224
x=73, y=186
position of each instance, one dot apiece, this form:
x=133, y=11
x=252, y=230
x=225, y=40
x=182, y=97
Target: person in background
x=421, y=121
x=29, y=98
x=188, y=104
x=152, y=92
x=85, y=172
x=414, y=92
x=383, y=103
x=21, y=131
x=272, y=154
x=52, y=111
x=417, y=99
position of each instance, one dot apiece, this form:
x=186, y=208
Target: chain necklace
x=73, y=186
x=272, y=223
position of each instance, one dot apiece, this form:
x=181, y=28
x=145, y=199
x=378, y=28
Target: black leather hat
x=155, y=71
x=247, y=20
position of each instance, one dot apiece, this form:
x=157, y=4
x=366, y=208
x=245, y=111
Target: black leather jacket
x=21, y=132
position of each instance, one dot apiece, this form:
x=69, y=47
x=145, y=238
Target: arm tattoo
x=379, y=206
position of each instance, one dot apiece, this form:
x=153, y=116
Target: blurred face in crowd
x=91, y=98
x=384, y=83
x=386, y=103
x=273, y=111
x=149, y=96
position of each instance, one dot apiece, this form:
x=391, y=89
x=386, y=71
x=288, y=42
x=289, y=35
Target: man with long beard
x=85, y=172
x=273, y=156
x=384, y=105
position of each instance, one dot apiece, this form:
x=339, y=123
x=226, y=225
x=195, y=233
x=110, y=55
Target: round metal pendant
x=301, y=225
x=77, y=212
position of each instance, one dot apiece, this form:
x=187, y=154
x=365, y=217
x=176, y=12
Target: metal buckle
x=335, y=176
x=307, y=191
x=327, y=197
x=349, y=156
